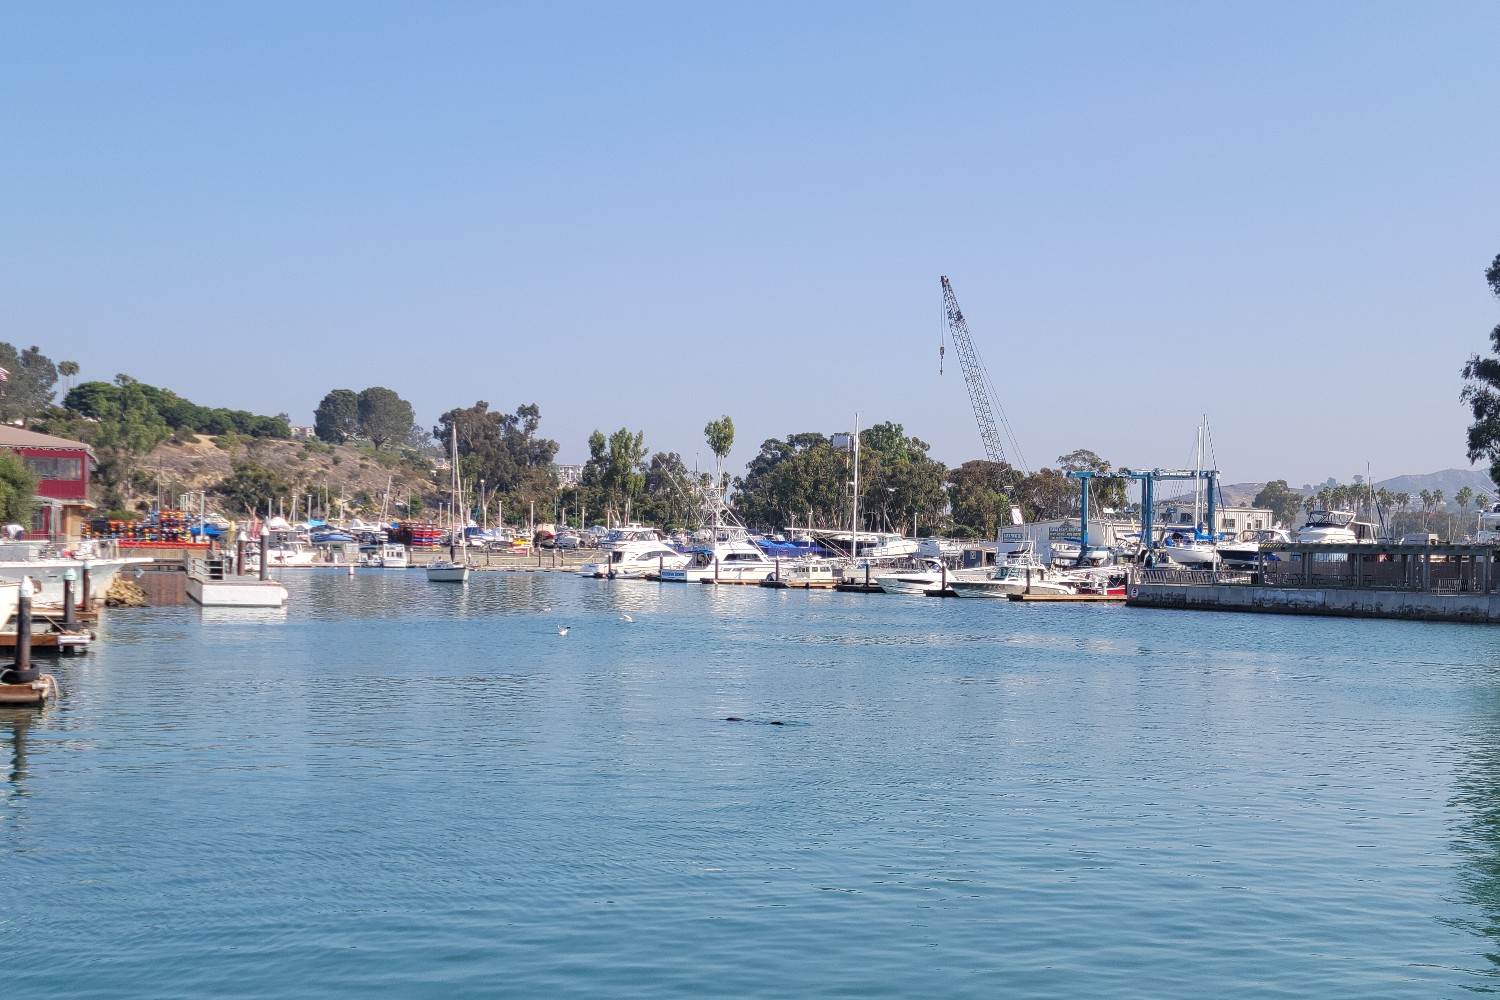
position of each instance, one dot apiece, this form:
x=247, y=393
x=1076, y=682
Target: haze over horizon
x=651, y=215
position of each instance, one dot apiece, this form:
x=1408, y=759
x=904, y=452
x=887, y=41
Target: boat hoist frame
x=1148, y=479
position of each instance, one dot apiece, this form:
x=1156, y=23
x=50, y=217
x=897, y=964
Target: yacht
x=46, y=568
x=868, y=544
x=632, y=553
x=1489, y=526
x=730, y=558
x=1336, y=527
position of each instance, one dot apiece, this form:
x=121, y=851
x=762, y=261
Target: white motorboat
x=1336, y=527
x=632, y=553
x=1243, y=552
x=389, y=555
x=914, y=581
x=730, y=558
x=806, y=574
x=33, y=559
x=1021, y=573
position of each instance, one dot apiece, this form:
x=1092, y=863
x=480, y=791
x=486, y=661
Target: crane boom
x=974, y=375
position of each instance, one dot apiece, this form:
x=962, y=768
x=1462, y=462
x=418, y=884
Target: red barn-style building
x=63, y=470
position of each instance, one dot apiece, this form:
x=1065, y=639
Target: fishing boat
x=1022, y=572
x=730, y=558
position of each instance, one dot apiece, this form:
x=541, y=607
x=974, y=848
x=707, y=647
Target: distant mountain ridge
x=1450, y=481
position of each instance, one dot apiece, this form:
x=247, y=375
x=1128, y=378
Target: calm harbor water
x=407, y=790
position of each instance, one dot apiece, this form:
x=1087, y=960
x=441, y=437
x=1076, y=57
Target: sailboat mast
x=854, y=500
x=1198, y=481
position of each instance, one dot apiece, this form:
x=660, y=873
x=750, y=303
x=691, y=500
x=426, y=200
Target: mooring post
x=661, y=564
x=943, y=586
x=88, y=587
x=716, y=569
x=239, y=555
x=20, y=671
x=867, y=575
x=70, y=611
x=265, y=554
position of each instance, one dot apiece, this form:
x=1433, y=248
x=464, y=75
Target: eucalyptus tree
x=1481, y=392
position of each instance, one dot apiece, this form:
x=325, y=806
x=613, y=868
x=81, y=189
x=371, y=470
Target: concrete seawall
x=1342, y=602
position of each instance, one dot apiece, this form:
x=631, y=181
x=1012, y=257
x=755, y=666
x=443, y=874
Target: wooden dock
x=1070, y=598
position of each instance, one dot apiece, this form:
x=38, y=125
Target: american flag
x=4, y=375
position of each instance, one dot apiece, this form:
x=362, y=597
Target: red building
x=63, y=471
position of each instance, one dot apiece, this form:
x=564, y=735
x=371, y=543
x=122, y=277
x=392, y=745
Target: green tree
x=30, y=384
x=248, y=486
x=17, y=490
x=720, y=434
x=336, y=419
x=624, y=473
x=1481, y=392
x=1280, y=499
x=977, y=497
x=1109, y=493
x=127, y=427
x=384, y=416
x=68, y=370
x=503, y=449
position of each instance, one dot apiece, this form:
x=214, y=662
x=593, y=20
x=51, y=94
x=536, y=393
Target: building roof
x=20, y=437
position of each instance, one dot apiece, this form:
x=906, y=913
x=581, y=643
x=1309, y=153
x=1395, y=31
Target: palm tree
x=67, y=369
x=1463, y=496
x=1426, y=496
x=1403, y=500
x=1482, y=500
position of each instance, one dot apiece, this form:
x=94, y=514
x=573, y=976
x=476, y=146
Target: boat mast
x=1198, y=481
x=854, y=498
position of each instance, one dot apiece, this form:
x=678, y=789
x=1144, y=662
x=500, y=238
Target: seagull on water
x=626, y=618
x=562, y=630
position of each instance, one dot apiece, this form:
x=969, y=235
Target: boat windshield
x=1334, y=518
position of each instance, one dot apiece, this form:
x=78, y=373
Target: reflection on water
x=15, y=728
x=1476, y=800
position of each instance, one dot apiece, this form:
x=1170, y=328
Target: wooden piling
x=70, y=610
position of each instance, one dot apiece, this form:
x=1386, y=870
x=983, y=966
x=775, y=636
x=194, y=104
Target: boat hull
x=48, y=575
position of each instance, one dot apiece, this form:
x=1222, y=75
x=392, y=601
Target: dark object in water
x=733, y=718
x=736, y=718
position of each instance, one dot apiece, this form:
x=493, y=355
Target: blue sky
x=653, y=214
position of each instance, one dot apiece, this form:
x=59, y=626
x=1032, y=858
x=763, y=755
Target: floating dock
x=212, y=585
x=1069, y=598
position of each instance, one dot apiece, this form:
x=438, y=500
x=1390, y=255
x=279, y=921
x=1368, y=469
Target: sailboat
x=1192, y=547
x=454, y=569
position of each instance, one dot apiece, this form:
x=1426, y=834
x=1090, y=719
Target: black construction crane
x=974, y=375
